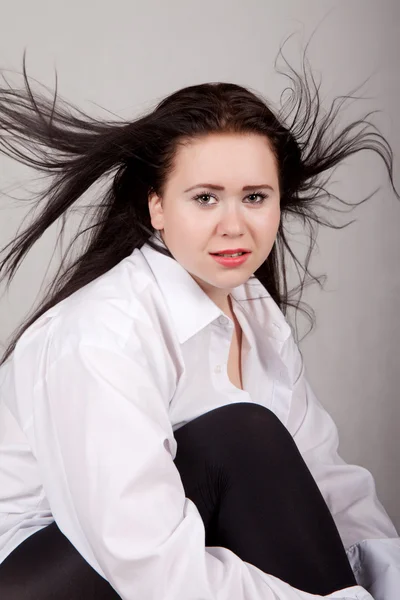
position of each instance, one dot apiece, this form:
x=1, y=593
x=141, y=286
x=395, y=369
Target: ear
x=156, y=211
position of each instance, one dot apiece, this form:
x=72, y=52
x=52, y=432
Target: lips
x=235, y=251
x=231, y=261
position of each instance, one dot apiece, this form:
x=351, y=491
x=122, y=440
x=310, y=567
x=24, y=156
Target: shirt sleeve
x=369, y=536
x=105, y=447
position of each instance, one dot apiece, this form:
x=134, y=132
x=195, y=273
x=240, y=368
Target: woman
x=159, y=436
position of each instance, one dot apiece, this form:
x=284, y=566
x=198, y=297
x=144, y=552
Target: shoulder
x=283, y=336
x=120, y=308
x=115, y=325
x=292, y=357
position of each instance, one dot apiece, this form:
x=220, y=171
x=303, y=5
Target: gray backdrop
x=126, y=55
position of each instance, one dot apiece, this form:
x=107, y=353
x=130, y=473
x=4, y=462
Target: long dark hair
x=76, y=151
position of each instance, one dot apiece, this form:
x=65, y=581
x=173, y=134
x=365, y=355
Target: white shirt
x=90, y=400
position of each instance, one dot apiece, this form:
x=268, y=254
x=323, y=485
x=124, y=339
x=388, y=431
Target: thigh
x=200, y=460
x=46, y=566
x=257, y=497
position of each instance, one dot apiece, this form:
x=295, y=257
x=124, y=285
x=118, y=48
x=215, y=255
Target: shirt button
x=223, y=320
x=218, y=369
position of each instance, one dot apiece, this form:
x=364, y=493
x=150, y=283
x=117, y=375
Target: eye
x=198, y=198
x=260, y=195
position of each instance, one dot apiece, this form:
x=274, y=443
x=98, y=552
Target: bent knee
x=252, y=434
x=241, y=426
x=252, y=419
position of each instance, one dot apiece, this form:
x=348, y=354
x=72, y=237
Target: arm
x=101, y=423
x=367, y=532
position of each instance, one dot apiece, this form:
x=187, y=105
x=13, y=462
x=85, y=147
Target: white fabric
x=90, y=400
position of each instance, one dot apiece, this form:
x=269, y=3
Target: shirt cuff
x=354, y=592
x=376, y=566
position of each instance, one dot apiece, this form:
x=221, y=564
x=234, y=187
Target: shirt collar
x=192, y=309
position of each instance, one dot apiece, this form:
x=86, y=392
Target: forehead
x=224, y=156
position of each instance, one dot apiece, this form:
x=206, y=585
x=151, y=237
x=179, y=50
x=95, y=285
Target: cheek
x=181, y=220
x=185, y=234
x=268, y=226
x=277, y=216
x=277, y=220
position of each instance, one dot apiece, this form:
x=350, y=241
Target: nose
x=231, y=220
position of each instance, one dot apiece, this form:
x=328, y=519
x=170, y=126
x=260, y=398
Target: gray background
x=124, y=56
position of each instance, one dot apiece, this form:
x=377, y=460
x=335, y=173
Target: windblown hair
x=75, y=151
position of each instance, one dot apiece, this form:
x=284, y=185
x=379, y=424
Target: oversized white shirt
x=89, y=403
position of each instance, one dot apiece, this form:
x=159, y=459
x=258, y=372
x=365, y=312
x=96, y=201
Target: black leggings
x=256, y=496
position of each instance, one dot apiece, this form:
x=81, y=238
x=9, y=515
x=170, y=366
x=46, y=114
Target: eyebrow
x=213, y=186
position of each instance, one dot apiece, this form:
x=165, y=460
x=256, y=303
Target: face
x=195, y=219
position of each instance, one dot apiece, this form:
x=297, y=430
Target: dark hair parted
x=75, y=151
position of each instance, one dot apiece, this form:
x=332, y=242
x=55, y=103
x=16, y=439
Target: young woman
x=159, y=437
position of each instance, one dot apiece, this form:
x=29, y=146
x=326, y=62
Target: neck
x=225, y=304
